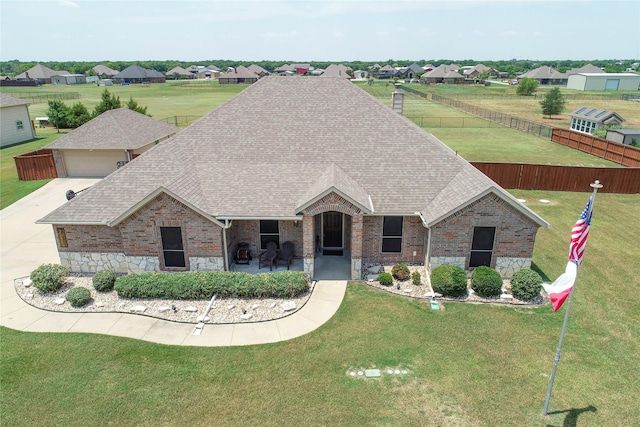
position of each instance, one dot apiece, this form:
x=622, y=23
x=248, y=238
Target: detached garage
x=107, y=143
x=604, y=81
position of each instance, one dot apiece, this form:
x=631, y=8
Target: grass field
x=477, y=365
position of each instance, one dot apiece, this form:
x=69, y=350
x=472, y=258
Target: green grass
x=468, y=364
x=11, y=189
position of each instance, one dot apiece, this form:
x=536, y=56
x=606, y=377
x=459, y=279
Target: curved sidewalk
x=25, y=245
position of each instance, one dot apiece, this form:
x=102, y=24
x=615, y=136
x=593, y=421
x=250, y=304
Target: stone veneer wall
x=507, y=266
x=86, y=262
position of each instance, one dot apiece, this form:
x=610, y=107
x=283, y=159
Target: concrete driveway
x=25, y=245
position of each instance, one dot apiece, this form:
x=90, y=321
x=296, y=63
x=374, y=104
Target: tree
x=133, y=105
x=483, y=75
x=77, y=115
x=109, y=102
x=527, y=86
x=552, y=103
x=58, y=113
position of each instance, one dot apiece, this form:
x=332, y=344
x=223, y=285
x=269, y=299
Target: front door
x=332, y=230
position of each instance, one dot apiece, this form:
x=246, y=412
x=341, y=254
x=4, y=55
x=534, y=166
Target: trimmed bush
x=415, y=278
x=486, y=281
x=203, y=285
x=526, y=284
x=49, y=277
x=400, y=272
x=385, y=279
x=449, y=280
x=104, y=280
x=78, y=296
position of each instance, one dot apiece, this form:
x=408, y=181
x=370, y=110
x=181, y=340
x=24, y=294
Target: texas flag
x=560, y=289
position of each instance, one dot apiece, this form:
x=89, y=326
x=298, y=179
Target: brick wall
x=413, y=239
x=515, y=233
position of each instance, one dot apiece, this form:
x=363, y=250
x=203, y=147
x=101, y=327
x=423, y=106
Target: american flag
x=579, y=234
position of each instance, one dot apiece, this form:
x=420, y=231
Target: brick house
x=314, y=161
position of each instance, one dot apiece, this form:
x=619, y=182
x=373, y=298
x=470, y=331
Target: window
x=482, y=246
x=172, y=248
x=19, y=124
x=269, y=232
x=392, y=234
x=62, y=237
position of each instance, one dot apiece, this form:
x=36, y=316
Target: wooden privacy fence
x=36, y=165
x=523, y=176
x=625, y=155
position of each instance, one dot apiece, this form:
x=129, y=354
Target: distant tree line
x=513, y=67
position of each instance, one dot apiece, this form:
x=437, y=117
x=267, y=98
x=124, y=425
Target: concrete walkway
x=25, y=245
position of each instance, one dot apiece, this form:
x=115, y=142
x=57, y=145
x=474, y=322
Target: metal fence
x=35, y=98
x=513, y=122
x=180, y=121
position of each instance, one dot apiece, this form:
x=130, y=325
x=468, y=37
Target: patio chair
x=268, y=257
x=285, y=255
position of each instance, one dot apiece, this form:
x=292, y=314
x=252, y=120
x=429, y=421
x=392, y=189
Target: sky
x=305, y=31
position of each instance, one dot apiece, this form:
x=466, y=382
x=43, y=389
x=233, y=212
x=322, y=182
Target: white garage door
x=94, y=164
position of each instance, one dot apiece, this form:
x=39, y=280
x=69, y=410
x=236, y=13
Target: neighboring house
x=137, y=74
x=473, y=72
x=587, y=68
x=443, y=74
x=411, y=72
x=68, y=79
x=102, y=145
x=179, y=73
x=104, y=72
x=624, y=136
x=238, y=75
x=588, y=120
x=337, y=70
x=15, y=121
x=386, y=72
x=261, y=72
x=40, y=73
x=546, y=76
x=604, y=81
x=315, y=161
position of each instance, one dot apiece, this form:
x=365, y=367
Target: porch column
x=356, y=247
x=308, y=243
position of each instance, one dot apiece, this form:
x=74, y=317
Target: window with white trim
x=392, y=234
x=19, y=125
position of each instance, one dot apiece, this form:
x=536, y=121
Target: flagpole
x=596, y=185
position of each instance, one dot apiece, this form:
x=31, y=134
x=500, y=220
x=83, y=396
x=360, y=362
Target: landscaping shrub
x=104, y=280
x=78, y=296
x=203, y=285
x=486, y=281
x=400, y=272
x=526, y=284
x=415, y=278
x=385, y=279
x=449, y=280
x=49, y=277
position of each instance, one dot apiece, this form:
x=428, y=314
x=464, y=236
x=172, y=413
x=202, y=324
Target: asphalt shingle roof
x=11, y=101
x=268, y=150
x=115, y=129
